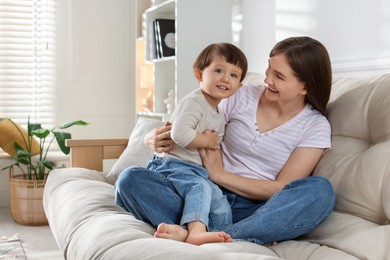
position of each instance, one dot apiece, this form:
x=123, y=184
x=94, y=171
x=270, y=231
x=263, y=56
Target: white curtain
x=28, y=60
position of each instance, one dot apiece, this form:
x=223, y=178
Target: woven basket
x=26, y=200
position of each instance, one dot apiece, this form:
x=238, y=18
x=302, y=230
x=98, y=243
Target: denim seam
x=165, y=181
x=191, y=217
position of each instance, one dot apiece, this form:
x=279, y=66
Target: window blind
x=28, y=61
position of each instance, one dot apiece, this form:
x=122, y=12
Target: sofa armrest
x=90, y=153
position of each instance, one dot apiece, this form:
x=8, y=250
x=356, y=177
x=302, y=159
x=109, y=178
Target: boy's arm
x=208, y=139
x=186, y=118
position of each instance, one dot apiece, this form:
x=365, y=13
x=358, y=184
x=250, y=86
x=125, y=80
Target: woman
x=274, y=137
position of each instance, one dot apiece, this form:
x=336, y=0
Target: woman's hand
x=212, y=161
x=159, y=139
x=213, y=141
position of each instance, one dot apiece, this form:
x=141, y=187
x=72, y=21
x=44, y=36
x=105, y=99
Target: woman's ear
x=303, y=91
x=198, y=74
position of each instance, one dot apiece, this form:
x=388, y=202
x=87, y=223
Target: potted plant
x=26, y=187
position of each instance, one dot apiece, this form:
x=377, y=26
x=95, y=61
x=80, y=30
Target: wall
x=96, y=45
x=355, y=32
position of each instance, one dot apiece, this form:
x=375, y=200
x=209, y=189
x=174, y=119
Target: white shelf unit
x=198, y=24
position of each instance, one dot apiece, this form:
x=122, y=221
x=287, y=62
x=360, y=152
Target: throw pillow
x=9, y=134
x=136, y=153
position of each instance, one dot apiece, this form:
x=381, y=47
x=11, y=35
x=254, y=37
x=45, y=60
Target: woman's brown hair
x=310, y=61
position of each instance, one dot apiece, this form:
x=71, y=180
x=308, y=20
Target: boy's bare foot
x=171, y=231
x=200, y=238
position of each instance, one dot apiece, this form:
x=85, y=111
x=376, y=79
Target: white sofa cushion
x=358, y=167
x=135, y=153
x=358, y=163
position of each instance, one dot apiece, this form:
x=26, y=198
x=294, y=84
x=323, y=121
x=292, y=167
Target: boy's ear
x=198, y=74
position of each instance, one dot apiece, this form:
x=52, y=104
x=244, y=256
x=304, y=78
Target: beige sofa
x=87, y=224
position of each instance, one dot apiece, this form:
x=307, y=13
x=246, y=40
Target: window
x=28, y=60
x=236, y=22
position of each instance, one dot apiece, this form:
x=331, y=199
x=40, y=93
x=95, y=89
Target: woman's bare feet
x=208, y=237
x=196, y=236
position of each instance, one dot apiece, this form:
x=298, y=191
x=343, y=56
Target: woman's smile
x=272, y=90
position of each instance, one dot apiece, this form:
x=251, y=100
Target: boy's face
x=219, y=80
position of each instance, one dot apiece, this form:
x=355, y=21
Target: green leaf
x=32, y=126
x=20, y=152
x=22, y=156
x=23, y=161
x=69, y=124
x=47, y=164
x=61, y=137
x=40, y=133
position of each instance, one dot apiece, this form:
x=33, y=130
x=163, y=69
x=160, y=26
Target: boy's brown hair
x=230, y=52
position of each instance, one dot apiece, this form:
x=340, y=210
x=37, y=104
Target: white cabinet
x=198, y=24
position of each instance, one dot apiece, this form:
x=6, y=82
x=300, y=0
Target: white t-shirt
x=249, y=153
x=192, y=115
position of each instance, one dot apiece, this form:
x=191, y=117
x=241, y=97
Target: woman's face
x=283, y=85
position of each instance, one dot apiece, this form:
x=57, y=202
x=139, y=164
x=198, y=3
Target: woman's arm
x=159, y=139
x=300, y=165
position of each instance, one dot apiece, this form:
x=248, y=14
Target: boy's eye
x=235, y=76
x=218, y=70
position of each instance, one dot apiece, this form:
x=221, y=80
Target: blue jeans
x=202, y=199
x=295, y=210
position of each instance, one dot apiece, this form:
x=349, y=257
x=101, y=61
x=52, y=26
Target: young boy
x=197, y=123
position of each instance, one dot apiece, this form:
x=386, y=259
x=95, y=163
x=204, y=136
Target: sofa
x=87, y=224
